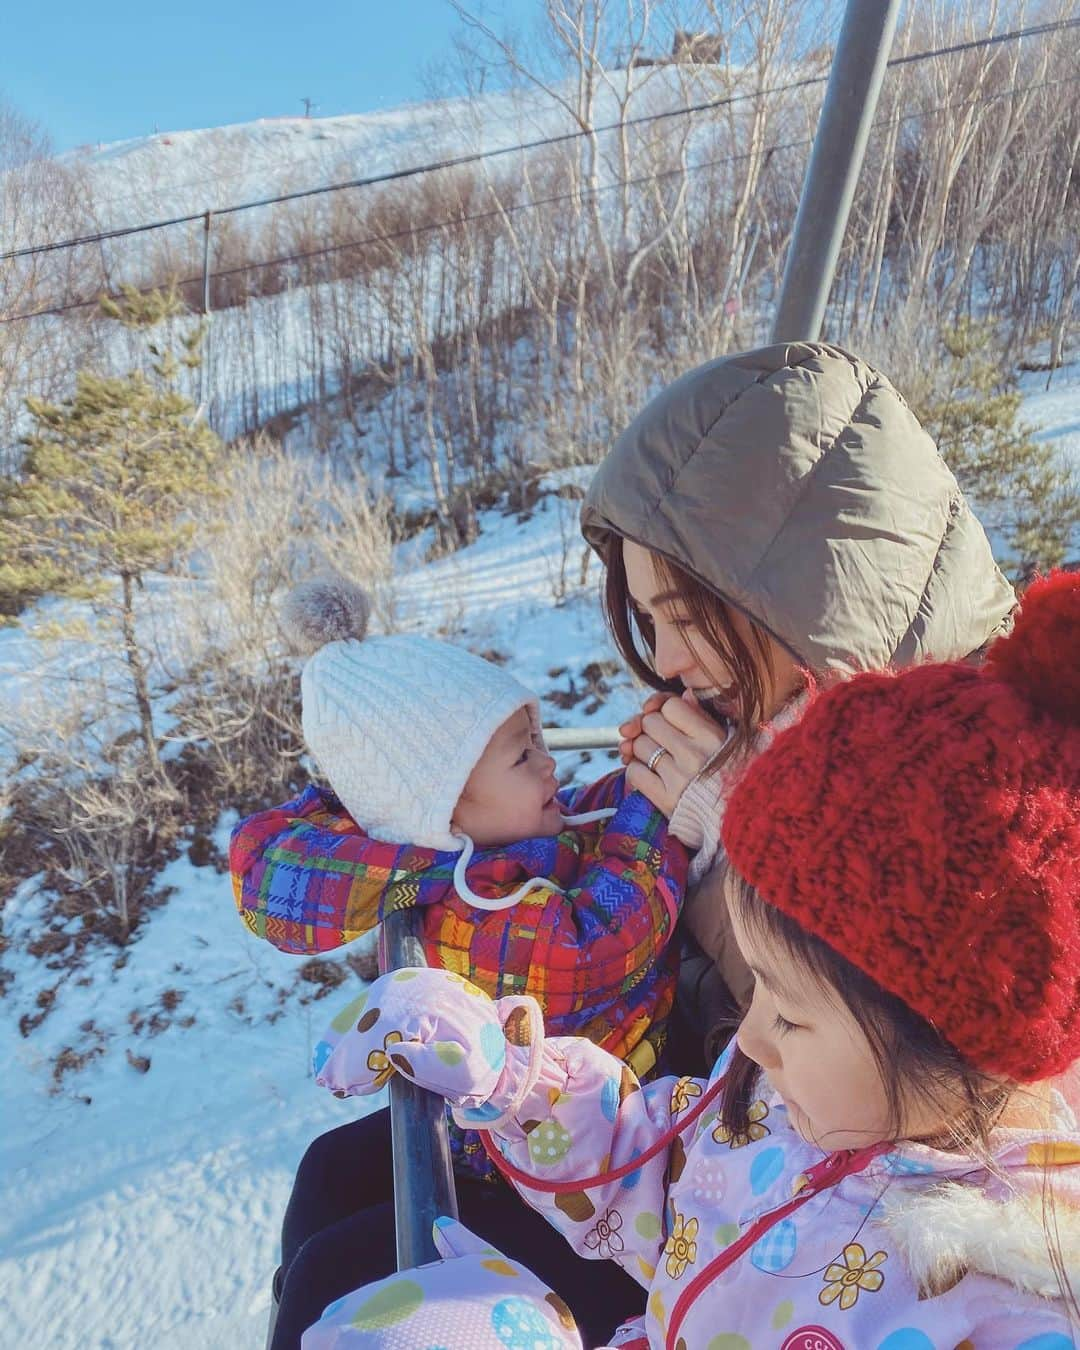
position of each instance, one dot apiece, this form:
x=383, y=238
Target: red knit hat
x=926, y=825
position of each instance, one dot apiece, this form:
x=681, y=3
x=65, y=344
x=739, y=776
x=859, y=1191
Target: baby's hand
x=440, y=1032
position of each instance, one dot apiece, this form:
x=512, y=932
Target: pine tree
x=101, y=496
x=1022, y=487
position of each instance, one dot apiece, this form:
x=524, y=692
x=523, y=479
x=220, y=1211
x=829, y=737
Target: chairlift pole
x=204, y=368
x=858, y=68
x=423, y=1176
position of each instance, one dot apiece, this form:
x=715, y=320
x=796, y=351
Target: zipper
x=821, y=1177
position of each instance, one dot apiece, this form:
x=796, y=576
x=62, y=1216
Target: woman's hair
x=711, y=618
x=916, y=1064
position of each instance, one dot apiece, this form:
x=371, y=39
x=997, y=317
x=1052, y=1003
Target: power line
x=306, y=158
x=535, y=203
x=458, y=161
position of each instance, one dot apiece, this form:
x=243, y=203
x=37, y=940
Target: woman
x=788, y=514
x=769, y=516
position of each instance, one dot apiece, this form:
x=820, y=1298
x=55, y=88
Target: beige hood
x=795, y=482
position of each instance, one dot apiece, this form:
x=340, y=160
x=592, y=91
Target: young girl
x=770, y=513
x=887, y=1156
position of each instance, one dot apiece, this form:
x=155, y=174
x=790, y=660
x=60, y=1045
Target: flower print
x=754, y=1131
x=854, y=1271
x=605, y=1238
x=681, y=1247
x=682, y=1092
x=379, y=1063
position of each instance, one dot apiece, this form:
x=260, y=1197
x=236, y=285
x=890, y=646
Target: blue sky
x=103, y=72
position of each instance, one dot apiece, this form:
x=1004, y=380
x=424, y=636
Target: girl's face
x=682, y=653
x=510, y=794
x=816, y=1055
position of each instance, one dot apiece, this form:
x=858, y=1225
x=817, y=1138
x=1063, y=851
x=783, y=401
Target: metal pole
x=858, y=68
x=204, y=368
x=423, y=1177
x=423, y=1174
x=581, y=738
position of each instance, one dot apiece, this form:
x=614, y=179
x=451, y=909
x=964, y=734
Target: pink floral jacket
x=744, y=1242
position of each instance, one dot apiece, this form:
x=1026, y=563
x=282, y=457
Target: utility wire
x=457, y=161
x=306, y=159
x=534, y=203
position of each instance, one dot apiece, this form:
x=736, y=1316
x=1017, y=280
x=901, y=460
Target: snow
x=1054, y=411
x=144, y=1208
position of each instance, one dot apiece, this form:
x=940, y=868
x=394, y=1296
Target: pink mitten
x=475, y=1298
x=441, y=1032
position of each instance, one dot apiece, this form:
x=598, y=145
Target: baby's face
x=510, y=794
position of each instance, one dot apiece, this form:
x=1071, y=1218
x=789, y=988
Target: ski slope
x=143, y=1208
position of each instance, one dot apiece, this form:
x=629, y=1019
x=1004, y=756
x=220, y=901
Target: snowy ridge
x=177, y=172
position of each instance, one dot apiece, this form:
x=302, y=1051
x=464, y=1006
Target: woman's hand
x=632, y=728
x=687, y=735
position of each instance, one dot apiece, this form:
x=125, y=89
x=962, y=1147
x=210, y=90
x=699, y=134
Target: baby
x=452, y=804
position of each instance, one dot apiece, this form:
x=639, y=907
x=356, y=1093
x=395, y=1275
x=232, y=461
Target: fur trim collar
x=950, y=1230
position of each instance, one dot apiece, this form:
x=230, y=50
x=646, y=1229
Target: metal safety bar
x=423, y=1175
x=581, y=738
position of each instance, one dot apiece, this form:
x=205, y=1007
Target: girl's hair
x=750, y=664
x=916, y=1064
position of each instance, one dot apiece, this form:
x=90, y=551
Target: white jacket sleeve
x=588, y=1115
x=699, y=812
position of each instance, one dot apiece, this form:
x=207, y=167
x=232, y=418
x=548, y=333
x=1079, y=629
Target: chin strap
x=495, y=903
x=587, y=817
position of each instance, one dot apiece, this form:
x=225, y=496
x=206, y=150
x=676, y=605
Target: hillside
x=464, y=371
x=154, y=1117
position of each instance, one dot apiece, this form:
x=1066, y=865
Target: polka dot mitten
x=474, y=1297
x=442, y=1033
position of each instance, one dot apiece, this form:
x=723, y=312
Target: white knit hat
x=396, y=724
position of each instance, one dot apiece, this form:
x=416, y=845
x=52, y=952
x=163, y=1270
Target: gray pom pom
x=327, y=609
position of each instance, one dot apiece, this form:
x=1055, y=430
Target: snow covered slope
x=142, y=1207
x=178, y=172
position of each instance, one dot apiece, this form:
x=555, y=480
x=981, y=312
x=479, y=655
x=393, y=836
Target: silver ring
x=655, y=758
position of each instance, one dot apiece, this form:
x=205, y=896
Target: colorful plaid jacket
x=598, y=956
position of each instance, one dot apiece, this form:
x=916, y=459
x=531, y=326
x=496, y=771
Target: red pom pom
x=1041, y=656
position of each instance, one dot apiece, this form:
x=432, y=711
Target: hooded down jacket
x=796, y=483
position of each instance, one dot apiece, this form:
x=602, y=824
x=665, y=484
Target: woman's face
x=682, y=652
